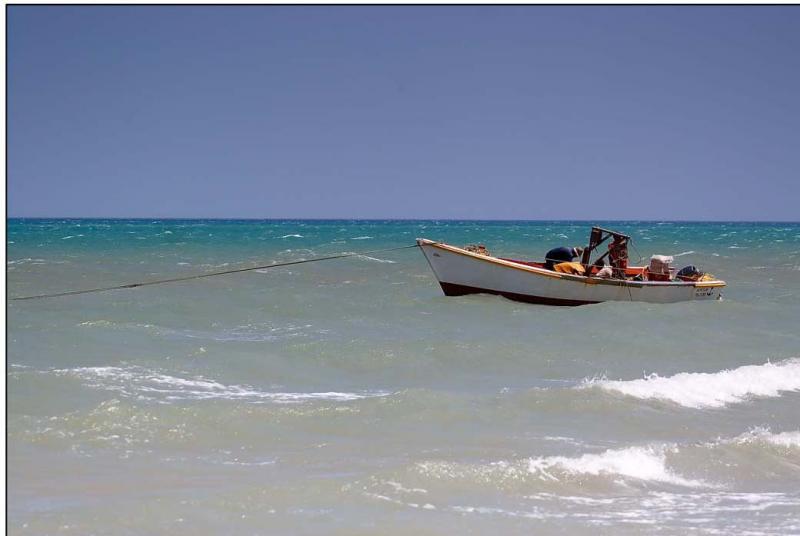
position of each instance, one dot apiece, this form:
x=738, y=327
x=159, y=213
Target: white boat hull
x=462, y=272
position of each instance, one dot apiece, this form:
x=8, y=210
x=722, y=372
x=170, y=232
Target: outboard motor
x=689, y=273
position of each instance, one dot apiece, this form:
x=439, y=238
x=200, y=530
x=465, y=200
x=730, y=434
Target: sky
x=533, y=112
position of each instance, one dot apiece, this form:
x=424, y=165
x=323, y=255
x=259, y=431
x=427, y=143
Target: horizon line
x=340, y=219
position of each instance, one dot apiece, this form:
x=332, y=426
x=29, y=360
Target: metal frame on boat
x=462, y=272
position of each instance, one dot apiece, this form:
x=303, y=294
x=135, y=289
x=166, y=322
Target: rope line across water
x=209, y=274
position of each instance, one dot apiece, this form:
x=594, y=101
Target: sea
x=350, y=396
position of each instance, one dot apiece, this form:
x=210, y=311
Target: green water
x=350, y=396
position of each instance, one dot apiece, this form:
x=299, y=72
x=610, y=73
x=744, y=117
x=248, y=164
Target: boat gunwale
x=567, y=277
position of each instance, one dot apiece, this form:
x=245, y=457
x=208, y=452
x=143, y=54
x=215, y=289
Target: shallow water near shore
x=351, y=397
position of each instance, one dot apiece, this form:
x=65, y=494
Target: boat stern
x=709, y=290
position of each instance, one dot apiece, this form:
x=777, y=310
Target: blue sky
x=405, y=112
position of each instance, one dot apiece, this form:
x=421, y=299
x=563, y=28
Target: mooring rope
x=209, y=274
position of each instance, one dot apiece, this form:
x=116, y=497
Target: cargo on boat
x=472, y=270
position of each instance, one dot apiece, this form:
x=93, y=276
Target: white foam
x=709, y=509
x=763, y=435
x=23, y=261
x=292, y=236
x=401, y=489
x=138, y=382
x=562, y=439
x=249, y=464
x=367, y=257
x=384, y=261
x=493, y=511
x=361, y=238
x=283, y=271
x=646, y=463
x=682, y=253
x=642, y=463
x=712, y=390
x=97, y=323
x=785, y=439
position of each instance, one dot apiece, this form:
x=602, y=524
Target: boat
x=471, y=270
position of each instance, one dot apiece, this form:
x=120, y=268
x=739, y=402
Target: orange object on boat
x=574, y=268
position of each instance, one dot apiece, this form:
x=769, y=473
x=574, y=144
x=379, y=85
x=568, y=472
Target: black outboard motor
x=689, y=273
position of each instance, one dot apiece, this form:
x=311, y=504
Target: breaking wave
x=763, y=436
x=144, y=384
x=711, y=465
x=711, y=390
x=614, y=466
x=642, y=463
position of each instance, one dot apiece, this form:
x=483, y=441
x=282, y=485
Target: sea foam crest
x=789, y=439
x=375, y=259
x=646, y=463
x=711, y=390
x=145, y=384
x=641, y=463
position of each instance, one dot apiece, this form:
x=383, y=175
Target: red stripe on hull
x=453, y=289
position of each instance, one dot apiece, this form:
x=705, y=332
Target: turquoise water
x=350, y=396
